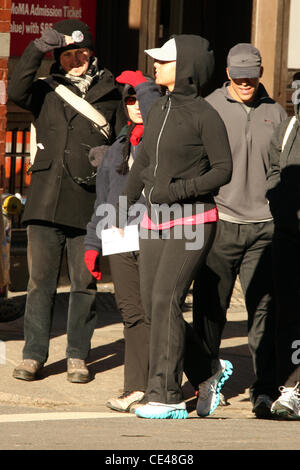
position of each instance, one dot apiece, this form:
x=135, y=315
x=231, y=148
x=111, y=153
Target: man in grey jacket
x=242, y=246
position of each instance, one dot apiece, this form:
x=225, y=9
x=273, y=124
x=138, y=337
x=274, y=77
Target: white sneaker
x=209, y=390
x=287, y=406
x=125, y=401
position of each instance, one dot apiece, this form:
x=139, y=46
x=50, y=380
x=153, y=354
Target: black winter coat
x=66, y=138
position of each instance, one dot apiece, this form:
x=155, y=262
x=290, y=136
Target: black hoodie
x=283, y=189
x=185, y=155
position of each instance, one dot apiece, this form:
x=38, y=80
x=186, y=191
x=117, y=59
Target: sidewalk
x=53, y=414
x=106, y=360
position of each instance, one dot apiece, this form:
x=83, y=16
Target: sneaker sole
x=174, y=414
x=121, y=410
x=227, y=372
x=25, y=375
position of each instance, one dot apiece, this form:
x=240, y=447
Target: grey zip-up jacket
x=249, y=133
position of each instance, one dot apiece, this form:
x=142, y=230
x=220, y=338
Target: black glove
x=50, y=39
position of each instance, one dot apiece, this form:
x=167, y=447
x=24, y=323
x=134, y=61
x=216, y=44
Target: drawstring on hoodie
x=168, y=97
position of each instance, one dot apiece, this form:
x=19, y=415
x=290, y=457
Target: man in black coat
x=62, y=192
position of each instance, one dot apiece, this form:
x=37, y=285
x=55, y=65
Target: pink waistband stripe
x=205, y=217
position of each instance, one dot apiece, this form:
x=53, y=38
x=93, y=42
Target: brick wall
x=5, y=15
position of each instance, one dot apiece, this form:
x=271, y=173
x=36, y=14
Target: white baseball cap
x=167, y=52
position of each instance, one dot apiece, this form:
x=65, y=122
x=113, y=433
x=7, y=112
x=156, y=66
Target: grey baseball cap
x=244, y=61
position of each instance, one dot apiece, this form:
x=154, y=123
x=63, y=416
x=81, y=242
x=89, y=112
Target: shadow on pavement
x=101, y=359
x=111, y=355
x=107, y=313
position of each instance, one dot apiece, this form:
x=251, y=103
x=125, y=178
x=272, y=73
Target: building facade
x=124, y=28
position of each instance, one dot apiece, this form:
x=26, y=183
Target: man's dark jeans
x=46, y=245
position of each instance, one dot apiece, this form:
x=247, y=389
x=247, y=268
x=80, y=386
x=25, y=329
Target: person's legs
x=213, y=287
x=125, y=275
x=256, y=283
x=286, y=250
x=45, y=249
x=82, y=303
x=171, y=278
x=285, y=254
x=212, y=293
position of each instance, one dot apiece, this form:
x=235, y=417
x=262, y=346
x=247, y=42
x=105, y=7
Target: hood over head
x=195, y=61
x=195, y=64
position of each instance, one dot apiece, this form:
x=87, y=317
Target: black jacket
x=283, y=188
x=66, y=137
x=185, y=155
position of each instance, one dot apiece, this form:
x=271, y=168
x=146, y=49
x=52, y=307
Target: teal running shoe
x=209, y=390
x=154, y=410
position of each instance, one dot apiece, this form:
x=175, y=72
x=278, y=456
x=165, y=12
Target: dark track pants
x=167, y=270
x=125, y=275
x=243, y=250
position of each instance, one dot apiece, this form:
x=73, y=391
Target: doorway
x=224, y=24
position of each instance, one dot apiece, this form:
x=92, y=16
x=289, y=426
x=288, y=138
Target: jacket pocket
x=160, y=191
x=40, y=166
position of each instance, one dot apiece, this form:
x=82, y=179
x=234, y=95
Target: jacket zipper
x=157, y=146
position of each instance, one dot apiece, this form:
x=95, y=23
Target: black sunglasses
x=130, y=100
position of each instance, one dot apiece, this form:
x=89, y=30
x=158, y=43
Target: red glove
x=131, y=77
x=90, y=259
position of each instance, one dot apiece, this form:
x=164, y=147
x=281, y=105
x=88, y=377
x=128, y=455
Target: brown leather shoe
x=28, y=369
x=77, y=371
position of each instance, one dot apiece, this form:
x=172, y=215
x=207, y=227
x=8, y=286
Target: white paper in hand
x=113, y=242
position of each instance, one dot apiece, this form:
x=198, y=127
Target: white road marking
x=27, y=417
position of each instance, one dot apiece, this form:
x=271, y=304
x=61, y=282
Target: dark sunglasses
x=130, y=100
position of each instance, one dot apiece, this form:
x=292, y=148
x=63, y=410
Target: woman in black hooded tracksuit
x=183, y=160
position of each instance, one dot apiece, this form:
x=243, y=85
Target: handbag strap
x=80, y=105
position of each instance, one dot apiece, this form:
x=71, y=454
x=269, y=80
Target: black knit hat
x=82, y=34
